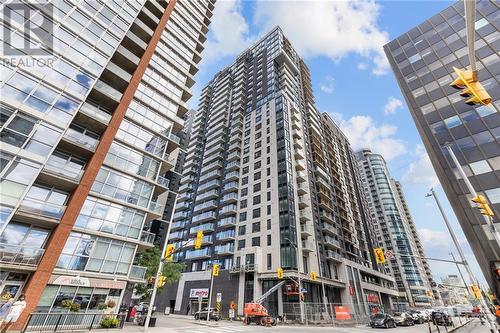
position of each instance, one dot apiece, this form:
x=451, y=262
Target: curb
x=458, y=327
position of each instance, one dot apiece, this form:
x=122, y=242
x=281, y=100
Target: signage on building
x=372, y=298
x=201, y=292
x=342, y=312
x=66, y=280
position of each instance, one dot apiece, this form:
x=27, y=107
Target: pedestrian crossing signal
x=379, y=255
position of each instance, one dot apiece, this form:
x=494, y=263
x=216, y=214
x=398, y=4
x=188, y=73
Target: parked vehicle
x=214, y=315
x=418, y=317
x=403, y=319
x=382, y=320
x=441, y=318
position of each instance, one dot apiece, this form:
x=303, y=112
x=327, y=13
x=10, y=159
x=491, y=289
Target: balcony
x=233, y=165
x=207, y=195
x=301, y=176
x=203, y=217
x=330, y=241
x=180, y=216
x=55, y=168
x=233, y=175
x=308, y=246
x=227, y=249
x=80, y=139
x=306, y=230
x=147, y=237
x=95, y=113
x=327, y=216
x=230, y=209
x=304, y=217
x=225, y=235
x=156, y=208
x=20, y=256
x=334, y=256
x=208, y=185
x=230, y=197
x=227, y=222
x=302, y=189
x=205, y=206
x=233, y=186
x=177, y=235
x=42, y=208
x=328, y=228
x=162, y=181
x=303, y=202
x=137, y=273
x=198, y=254
x=182, y=205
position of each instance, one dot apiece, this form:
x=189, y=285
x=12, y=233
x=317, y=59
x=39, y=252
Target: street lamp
x=491, y=321
x=301, y=305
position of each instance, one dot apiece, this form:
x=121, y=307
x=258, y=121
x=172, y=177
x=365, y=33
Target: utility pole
x=472, y=278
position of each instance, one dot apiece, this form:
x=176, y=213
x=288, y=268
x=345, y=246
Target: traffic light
x=198, y=240
x=215, y=270
x=161, y=281
x=472, y=88
x=169, y=253
x=313, y=275
x=482, y=204
x=279, y=272
x=475, y=291
x=379, y=255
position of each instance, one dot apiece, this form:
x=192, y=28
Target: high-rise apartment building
x=89, y=143
x=395, y=231
x=422, y=60
x=271, y=183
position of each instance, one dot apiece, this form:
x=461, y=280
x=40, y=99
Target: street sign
x=389, y=254
x=218, y=298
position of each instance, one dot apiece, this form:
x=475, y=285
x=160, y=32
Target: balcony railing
x=95, y=113
x=61, y=169
x=137, y=272
x=147, y=237
x=20, y=255
x=42, y=208
x=156, y=207
x=81, y=139
x=163, y=181
x=202, y=227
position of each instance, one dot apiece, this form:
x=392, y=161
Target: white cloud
x=432, y=239
x=363, y=132
x=362, y=66
x=392, y=106
x=329, y=28
x=327, y=86
x=228, y=33
x=421, y=171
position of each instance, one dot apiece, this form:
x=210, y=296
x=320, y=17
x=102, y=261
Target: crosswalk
x=215, y=329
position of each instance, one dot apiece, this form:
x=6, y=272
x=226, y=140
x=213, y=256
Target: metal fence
x=53, y=322
x=330, y=313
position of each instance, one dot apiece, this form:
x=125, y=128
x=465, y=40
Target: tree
x=150, y=259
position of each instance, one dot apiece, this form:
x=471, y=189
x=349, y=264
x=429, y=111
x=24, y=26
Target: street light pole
x=491, y=320
x=301, y=305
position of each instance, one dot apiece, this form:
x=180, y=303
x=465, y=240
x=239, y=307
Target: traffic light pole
x=473, y=192
x=472, y=278
x=158, y=273
x=470, y=22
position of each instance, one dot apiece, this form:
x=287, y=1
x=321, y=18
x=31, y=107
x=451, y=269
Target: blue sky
x=341, y=43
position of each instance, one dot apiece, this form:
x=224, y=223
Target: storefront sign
x=195, y=293
x=372, y=298
x=72, y=281
x=342, y=312
x=78, y=281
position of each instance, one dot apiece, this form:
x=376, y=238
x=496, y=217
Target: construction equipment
x=256, y=313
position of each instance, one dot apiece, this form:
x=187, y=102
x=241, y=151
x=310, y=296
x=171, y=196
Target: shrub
x=66, y=303
x=75, y=307
x=111, y=303
x=109, y=322
x=102, y=306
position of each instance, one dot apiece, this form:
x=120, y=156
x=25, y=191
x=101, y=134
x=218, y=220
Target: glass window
x=480, y=167
x=452, y=122
x=493, y=195
x=481, y=23
x=484, y=111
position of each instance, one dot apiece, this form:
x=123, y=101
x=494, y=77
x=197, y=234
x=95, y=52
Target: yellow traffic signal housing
x=379, y=255
x=279, y=272
x=482, y=204
x=475, y=291
x=313, y=276
x=215, y=270
x=473, y=89
x=169, y=253
x=198, y=240
x=161, y=281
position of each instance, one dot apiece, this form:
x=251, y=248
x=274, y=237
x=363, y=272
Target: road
x=183, y=324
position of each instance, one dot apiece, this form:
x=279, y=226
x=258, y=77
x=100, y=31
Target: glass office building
x=422, y=60
x=89, y=142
